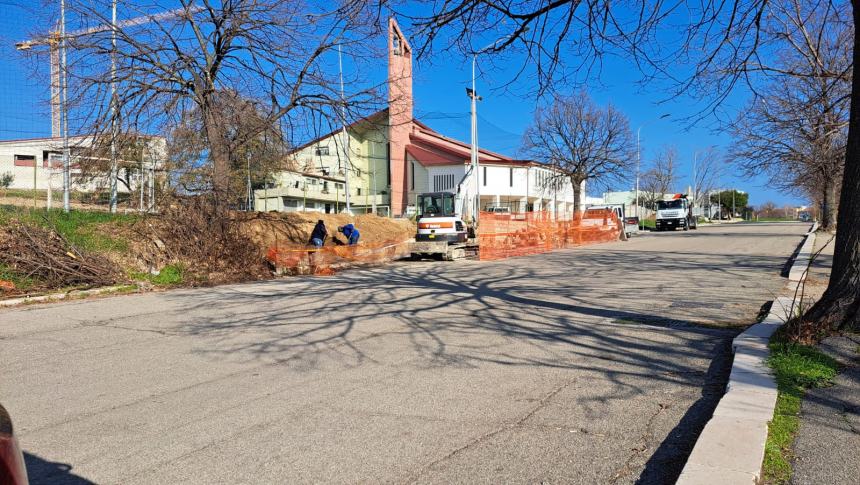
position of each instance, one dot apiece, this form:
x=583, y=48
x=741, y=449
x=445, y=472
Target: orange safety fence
x=518, y=234
x=328, y=259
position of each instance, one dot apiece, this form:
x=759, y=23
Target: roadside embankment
x=51, y=252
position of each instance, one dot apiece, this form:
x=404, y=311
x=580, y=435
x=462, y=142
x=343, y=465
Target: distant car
x=12, y=469
x=500, y=212
x=631, y=225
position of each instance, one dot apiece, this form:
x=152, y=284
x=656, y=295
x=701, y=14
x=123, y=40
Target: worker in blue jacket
x=350, y=232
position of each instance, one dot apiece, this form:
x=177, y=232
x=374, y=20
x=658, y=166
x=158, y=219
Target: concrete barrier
x=730, y=449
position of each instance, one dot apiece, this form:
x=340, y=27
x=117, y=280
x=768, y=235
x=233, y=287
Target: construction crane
x=55, y=41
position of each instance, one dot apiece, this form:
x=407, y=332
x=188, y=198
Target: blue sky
x=440, y=101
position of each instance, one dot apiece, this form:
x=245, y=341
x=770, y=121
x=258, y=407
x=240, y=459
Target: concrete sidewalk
x=826, y=449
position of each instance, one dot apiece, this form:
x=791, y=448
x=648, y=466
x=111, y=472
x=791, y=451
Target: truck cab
x=675, y=213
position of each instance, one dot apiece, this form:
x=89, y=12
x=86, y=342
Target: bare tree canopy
x=257, y=148
x=796, y=128
x=169, y=63
x=581, y=141
x=709, y=166
x=660, y=178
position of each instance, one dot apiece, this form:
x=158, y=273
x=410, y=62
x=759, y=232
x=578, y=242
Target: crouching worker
x=350, y=232
x=319, y=234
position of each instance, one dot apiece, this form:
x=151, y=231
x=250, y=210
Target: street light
x=638, y=163
x=473, y=96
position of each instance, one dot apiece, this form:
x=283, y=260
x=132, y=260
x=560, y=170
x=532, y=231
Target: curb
x=798, y=271
x=59, y=296
x=730, y=449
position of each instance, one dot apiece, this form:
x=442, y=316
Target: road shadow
x=41, y=471
x=606, y=313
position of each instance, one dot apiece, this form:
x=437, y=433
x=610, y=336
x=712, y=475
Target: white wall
x=53, y=176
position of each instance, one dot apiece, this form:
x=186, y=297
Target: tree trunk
x=839, y=307
x=577, y=194
x=219, y=154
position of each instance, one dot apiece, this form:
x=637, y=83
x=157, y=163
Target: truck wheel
x=686, y=227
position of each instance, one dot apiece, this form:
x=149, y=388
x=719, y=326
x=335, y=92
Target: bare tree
x=726, y=44
x=660, y=178
x=795, y=129
x=768, y=209
x=581, y=141
x=170, y=64
x=257, y=148
x=708, y=168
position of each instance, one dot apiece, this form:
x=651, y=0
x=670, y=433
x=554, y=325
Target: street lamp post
x=638, y=164
x=347, y=164
x=473, y=95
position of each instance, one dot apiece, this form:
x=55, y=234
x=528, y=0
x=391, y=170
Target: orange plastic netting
x=328, y=259
x=517, y=234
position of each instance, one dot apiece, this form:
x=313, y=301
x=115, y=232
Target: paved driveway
x=579, y=366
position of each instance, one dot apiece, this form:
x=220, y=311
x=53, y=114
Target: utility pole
x=114, y=131
x=473, y=95
x=64, y=113
x=347, y=165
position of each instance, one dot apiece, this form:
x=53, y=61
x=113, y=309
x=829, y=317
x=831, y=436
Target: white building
x=37, y=163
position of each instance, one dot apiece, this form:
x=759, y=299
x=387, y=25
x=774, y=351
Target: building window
x=358, y=191
x=485, y=176
x=338, y=186
x=412, y=183
x=25, y=161
x=290, y=203
x=358, y=172
x=310, y=205
x=511, y=176
x=321, y=150
x=443, y=182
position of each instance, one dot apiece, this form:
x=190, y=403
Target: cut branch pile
x=45, y=256
x=207, y=243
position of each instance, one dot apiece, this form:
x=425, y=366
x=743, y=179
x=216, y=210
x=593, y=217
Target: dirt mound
x=294, y=228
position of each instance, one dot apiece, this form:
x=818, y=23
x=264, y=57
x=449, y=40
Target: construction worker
x=319, y=234
x=350, y=232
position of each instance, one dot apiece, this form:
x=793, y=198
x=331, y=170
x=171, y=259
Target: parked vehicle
x=631, y=225
x=675, y=213
x=618, y=209
x=441, y=230
x=12, y=469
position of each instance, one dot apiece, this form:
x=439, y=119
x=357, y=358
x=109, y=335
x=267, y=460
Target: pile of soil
x=294, y=228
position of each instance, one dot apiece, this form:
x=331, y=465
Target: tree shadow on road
x=552, y=315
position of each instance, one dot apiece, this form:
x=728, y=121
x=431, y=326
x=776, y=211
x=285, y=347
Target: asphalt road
x=579, y=366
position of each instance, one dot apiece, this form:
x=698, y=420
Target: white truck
x=674, y=213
